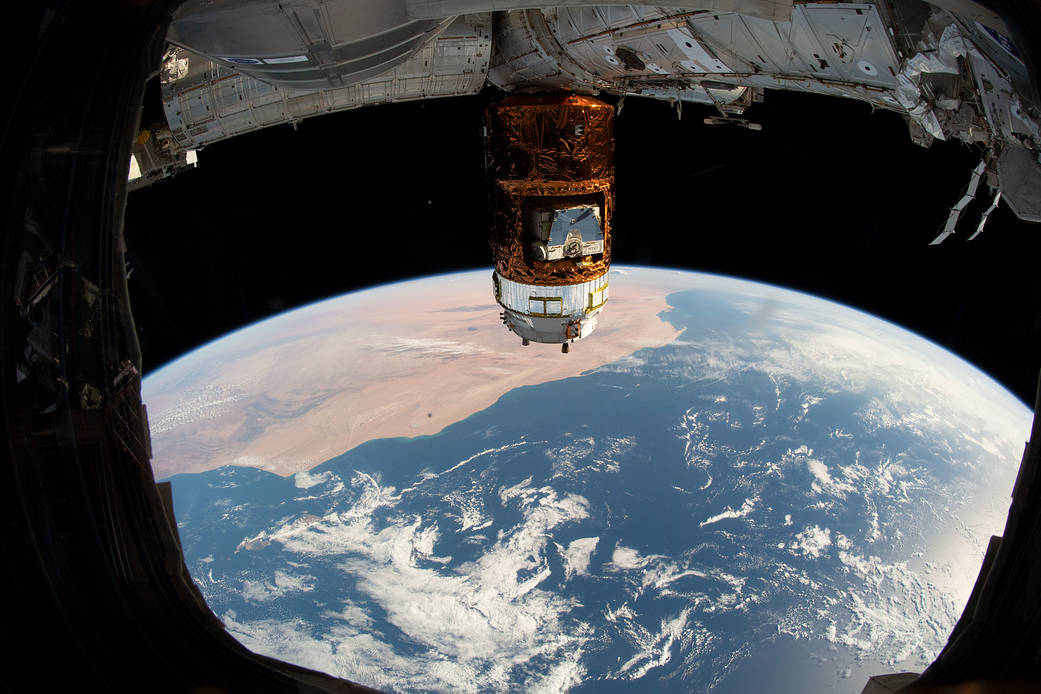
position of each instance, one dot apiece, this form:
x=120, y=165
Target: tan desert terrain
x=403, y=360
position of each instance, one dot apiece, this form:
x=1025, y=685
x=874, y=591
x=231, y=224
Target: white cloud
x=283, y=584
x=433, y=347
x=207, y=402
x=480, y=623
x=561, y=677
x=823, y=480
x=812, y=541
x=577, y=556
x=475, y=456
x=351, y=613
x=624, y=558
x=256, y=461
x=471, y=512
x=622, y=612
x=345, y=651
x=653, y=649
x=305, y=480
x=891, y=611
x=745, y=509
x=664, y=573
x=794, y=337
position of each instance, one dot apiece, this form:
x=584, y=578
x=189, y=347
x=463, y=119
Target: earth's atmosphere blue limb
x=717, y=514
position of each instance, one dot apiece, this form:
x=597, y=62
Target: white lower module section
x=545, y=313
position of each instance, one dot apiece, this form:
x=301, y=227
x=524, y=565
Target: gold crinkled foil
x=552, y=137
x=548, y=145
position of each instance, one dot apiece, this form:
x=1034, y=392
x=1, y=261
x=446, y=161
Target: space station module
x=550, y=163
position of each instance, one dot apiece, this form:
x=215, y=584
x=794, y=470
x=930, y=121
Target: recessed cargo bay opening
x=557, y=227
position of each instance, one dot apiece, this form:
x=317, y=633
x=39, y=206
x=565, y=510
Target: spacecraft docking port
x=550, y=160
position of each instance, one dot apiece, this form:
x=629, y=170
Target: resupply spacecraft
x=551, y=163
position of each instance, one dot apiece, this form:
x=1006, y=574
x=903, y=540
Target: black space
x=829, y=198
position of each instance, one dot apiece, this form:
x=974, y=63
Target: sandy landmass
x=405, y=360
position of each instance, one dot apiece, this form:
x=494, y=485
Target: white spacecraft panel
x=802, y=42
x=618, y=42
x=840, y=49
x=527, y=62
x=568, y=300
x=730, y=99
x=843, y=42
x=995, y=94
x=206, y=102
x=586, y=21
x=303, y=44
x=856, y=38
x=424, y=9
x=737, y=38
x=698, y=59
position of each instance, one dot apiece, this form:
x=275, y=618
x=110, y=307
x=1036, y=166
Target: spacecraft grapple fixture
x=550, y=162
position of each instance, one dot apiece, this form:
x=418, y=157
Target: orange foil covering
x=539, y=146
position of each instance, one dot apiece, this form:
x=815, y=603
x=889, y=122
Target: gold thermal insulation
x=512, y=259
x=550, y=136
x=552, y=147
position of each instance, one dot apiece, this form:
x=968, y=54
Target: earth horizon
x=729, y=486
